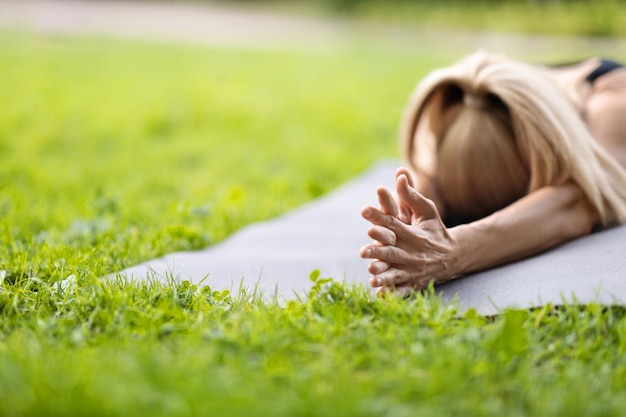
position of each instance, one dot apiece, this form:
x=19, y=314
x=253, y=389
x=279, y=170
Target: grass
x=159, y=350
x=603, y=18
x=118, y=152
x=595, y=18
x=123, y=152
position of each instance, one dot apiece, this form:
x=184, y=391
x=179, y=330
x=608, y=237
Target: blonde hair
x=489, y=130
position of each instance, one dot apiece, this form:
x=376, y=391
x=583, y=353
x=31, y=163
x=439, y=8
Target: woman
x=506, y=160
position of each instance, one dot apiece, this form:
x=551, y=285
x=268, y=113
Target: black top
x=606, y=66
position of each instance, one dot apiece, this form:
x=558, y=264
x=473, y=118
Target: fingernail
x=367, y=212
x=379, y=282
x=368, y=253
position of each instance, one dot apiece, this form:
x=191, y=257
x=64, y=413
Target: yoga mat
x=276, y=257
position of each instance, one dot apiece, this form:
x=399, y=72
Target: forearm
x=541, y=220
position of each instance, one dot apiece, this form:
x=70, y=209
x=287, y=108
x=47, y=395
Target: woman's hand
x=413, y=247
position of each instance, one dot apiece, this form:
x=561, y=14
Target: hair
x=490, y=130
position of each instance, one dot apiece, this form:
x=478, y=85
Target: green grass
x=114, y=153
x=157, y=350
x=605, y=18
x=596, y=18
x=119, y=153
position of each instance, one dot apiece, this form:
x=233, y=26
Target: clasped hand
x=412, y=246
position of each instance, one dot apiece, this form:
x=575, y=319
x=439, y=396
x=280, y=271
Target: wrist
x=463, y=252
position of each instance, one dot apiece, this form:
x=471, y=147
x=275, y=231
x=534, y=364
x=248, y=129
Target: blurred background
x=315, y=22
x=585, y=17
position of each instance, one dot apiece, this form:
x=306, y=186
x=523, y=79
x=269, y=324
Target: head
x=489, y=130
x=478, y=164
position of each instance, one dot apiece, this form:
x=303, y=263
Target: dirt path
x=170, y=22
x=241, y=27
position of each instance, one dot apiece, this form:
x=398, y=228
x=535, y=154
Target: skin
x=413, y=247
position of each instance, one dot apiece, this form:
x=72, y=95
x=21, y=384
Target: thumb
x=422, y=207
x=405, y=213
x=407, y=174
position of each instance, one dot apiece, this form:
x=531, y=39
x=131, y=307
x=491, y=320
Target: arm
x=541, y=220
x=411, y=255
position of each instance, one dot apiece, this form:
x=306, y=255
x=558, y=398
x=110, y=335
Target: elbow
x=581, y=216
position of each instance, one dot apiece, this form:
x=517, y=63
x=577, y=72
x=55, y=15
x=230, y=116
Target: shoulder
x=605, y=113
x=615, y=81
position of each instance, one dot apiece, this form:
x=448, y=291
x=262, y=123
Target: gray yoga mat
x=277, y=256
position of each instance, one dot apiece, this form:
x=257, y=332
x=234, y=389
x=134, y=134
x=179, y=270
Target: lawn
x=562, y=17
x=117, y=152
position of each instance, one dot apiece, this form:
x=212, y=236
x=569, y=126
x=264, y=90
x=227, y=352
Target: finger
x=382, y=235
x=378, y=218
x=377, y=267
x=403, y=232
x=405, y=212
x=407, y=174
x=392, y=277
x=374, y=282
x=387, y=202
x=420, y=205
x=390, y=254
x=403, y=291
